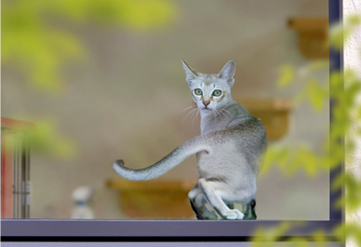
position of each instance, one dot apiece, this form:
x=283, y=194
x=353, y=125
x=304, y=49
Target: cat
x=228, y=151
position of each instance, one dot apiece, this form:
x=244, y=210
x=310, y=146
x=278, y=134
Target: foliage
x=36, y=40
x=345, y=87
x=47, y=139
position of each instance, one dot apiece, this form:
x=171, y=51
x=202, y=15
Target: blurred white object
x=82, y=196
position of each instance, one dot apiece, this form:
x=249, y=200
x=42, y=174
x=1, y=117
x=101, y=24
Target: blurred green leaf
x=275, y=155
x=358, y=114
x=318, y=65
x=349, y=231
x=340, y=32
x=287, y=74
x=310, y=161
x=298, y=242
x=292, y=159
x=268, y=236
x=337, y=35
x=352, y=187
x=315, y=92
x=345, y=89
x=353, y=20
x=145, y=14
x=336, y=84
x=47, y=140
x=33, y=40
x=318, y=94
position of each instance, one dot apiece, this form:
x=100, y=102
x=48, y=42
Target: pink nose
x=206, y=103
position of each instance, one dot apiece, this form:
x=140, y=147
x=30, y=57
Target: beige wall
x=124, y=102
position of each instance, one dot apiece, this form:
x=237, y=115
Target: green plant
x=346, y=109
x=36, y=43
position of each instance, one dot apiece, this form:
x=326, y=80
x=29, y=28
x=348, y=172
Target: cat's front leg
x=212, y=191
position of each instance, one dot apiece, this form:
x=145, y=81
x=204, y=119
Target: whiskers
x=221, y=113
x=186, y=108
x=225, y=113
x=193, y=113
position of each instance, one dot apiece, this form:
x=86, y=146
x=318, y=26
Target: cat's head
x=211, y=91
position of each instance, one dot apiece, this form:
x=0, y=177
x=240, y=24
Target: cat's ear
x=190, y=73
x=228, y=72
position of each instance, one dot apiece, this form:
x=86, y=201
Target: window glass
x=103, y=81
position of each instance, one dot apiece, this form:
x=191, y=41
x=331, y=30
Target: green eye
x=217, y=93
x=198, y=91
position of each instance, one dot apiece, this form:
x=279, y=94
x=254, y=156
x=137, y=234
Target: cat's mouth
x=206, y=108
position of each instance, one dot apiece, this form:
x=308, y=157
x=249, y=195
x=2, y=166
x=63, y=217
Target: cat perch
x=154, y=199
x=312, y=36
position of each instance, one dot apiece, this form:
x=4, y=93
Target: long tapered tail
x=170, y=161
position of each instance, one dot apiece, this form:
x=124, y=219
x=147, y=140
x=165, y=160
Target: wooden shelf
x=11, y=124
x=154, y=199
x=312, y=36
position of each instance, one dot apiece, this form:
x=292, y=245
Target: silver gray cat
x=228, y=150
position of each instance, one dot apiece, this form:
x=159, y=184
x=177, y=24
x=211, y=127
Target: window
x=168, y=230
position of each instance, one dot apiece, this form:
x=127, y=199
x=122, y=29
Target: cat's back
x=235, y=150
x=250, y=133
x=244, y=132
x=237, y=123
x=244, y=123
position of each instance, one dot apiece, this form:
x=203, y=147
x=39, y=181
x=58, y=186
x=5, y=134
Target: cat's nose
x=206, y=103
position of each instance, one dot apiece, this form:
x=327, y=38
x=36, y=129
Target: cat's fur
x=228, y=149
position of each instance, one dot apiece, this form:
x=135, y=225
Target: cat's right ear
x=227, y=73
x=190, y=73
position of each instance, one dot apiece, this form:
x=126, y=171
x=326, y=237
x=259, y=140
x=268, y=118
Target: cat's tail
x=170, y=161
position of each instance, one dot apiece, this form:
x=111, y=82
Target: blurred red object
x=14, y=162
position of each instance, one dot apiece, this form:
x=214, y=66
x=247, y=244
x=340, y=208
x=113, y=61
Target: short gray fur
x=228, y=150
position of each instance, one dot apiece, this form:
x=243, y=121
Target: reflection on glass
x=103, y=80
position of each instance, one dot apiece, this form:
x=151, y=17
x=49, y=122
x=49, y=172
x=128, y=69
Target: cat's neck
x=214, y=120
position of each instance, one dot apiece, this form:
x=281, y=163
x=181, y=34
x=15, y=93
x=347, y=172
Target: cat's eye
x=217, y=93
x=198, y=91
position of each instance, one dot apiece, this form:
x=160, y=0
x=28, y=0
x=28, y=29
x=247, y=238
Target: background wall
x=125, y=101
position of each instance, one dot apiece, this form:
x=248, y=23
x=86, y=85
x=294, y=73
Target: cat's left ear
x=228, y=72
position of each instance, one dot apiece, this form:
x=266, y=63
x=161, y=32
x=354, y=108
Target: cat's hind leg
x=198, y=204
x=230, y=205
x=213, y=191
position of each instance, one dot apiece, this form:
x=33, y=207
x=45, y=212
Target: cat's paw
x=234, y=214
